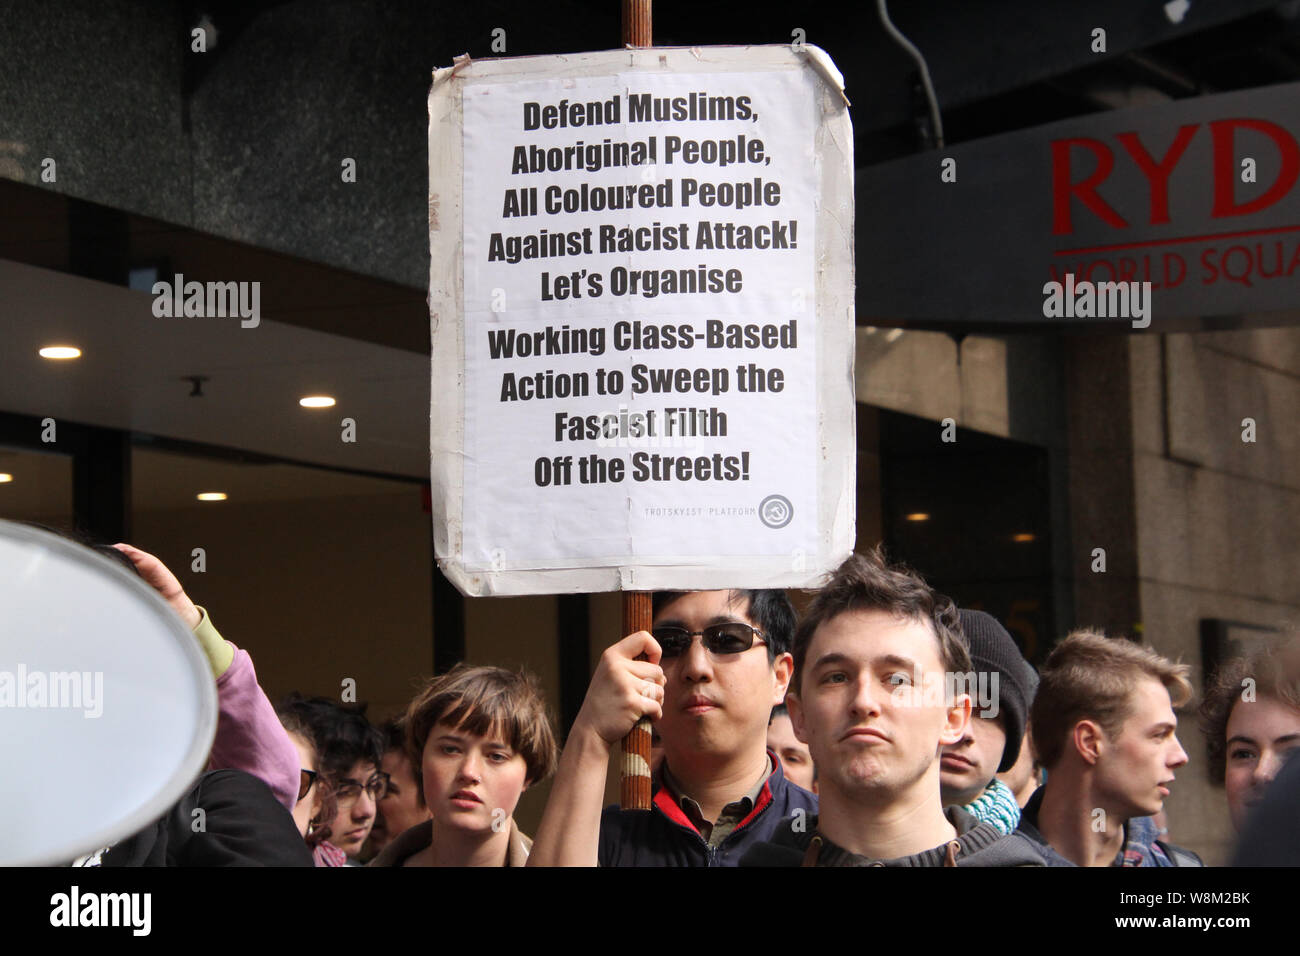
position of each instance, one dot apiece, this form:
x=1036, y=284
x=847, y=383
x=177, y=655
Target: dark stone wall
x=96, y=86
x=294, y=95
x=245, y=141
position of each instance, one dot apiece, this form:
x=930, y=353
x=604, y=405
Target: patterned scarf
x=1140, y=846
x=327, y=854
x=996, y=805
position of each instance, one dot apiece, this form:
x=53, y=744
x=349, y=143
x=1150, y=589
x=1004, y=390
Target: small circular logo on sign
x=775, y=511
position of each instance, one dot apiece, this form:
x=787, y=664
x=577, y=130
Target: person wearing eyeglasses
x=304, y=810
x=315, y=803
x=357, y=797
x=349, y=751
x=716, y=663
x=480, y=737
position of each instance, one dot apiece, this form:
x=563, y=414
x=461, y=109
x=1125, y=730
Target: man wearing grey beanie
x=1003, y=688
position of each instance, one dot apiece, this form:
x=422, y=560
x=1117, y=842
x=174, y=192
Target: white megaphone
x=107, y=705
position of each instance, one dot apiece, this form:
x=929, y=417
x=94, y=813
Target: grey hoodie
x=977, y=844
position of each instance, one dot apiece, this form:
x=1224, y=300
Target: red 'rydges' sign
x=1225, y=172
x=1200, y=198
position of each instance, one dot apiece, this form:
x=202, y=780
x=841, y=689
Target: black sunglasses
x=731, y=637
x=305, y=781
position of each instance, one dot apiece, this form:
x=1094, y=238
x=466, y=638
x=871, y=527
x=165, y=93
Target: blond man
x=1104, y=727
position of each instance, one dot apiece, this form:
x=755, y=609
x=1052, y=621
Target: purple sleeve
x=249, y=735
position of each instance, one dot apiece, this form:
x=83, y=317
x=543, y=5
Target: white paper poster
x=642, y=389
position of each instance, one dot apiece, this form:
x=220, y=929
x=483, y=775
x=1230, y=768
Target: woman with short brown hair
x=477, y=737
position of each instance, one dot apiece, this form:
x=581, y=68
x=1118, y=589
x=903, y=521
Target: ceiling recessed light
x=316, y=401
x=212, y=496
x=60, y=352
x=1024, y=537
x=893, y=335
x=917, y=516
x=5, y=477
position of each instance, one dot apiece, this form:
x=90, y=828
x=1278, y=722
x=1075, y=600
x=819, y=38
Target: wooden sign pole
x=635, y=789
x=635, y=792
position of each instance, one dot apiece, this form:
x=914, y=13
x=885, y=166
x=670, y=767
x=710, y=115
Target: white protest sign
x=641, y=295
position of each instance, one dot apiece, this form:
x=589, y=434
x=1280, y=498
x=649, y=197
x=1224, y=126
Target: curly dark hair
x=1273, y=676
x=341, y=737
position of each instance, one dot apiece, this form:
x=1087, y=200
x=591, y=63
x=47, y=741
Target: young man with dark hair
x=1104, y=727
x=796, y=760
x=350, y=751
x=403, y=804
x=992, y=742
x=716, y=662
x=879, y=671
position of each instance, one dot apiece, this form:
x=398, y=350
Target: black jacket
x=666, y=837
x=242, y=824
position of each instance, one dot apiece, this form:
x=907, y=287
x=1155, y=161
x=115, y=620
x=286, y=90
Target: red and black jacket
x=666, y=837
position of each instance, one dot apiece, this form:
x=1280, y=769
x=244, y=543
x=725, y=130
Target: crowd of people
x=883, y=727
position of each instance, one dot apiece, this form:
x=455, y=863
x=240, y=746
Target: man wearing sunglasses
x=715, y=663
